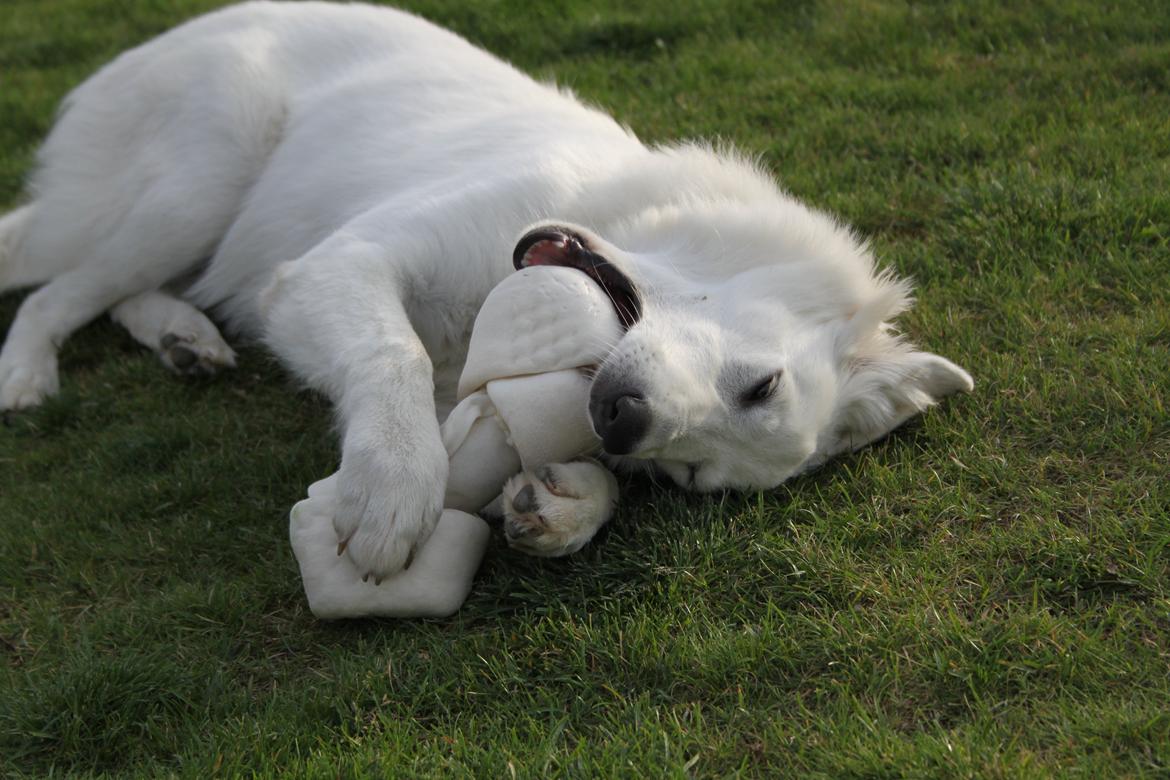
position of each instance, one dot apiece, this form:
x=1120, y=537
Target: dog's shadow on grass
x=660, y=529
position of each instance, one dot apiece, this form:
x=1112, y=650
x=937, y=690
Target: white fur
x=358, y=177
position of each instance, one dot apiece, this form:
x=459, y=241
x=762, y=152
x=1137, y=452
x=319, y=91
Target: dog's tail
x=15, y=268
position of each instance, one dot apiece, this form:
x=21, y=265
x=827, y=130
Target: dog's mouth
x=564, y=247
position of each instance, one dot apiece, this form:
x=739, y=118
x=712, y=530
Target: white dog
x=347, y=183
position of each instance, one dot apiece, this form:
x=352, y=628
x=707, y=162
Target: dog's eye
x=764, y=390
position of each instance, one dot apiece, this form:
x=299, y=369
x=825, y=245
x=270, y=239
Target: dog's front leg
x=336, y=317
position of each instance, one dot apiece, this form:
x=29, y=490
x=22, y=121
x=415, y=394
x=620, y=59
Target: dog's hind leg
x=142, y=176
x=13, y=272
x=185, y=340
x=160, y=238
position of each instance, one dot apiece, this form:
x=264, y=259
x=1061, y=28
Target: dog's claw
x=377, y=581
x=341, y=547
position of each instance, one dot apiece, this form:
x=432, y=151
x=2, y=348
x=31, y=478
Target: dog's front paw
x=388, y=503
x=25, y=383
x=554, y=510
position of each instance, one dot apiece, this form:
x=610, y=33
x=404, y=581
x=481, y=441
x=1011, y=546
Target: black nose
x=620, y=417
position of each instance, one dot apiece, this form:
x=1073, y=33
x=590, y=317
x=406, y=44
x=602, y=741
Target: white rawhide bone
x=522, y=393
x=523, y=403
x=435, y=585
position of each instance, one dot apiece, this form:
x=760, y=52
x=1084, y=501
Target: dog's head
x=755, y=347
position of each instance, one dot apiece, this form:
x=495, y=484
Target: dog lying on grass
x=347, y=183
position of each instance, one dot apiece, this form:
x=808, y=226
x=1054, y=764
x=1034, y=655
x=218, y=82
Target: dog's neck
x=686, y=176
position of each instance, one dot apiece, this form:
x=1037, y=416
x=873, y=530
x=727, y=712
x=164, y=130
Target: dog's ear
x=884, y=381
x=881, y=391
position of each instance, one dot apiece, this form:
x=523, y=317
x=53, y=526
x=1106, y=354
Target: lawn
x=986, y=593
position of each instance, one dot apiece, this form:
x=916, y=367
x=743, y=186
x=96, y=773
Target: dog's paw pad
x=194, y=355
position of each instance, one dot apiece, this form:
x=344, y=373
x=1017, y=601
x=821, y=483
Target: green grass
x=986, y=593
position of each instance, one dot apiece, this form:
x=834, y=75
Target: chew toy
x=523, y=399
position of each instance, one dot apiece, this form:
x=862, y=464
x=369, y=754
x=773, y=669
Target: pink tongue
x=546, y=253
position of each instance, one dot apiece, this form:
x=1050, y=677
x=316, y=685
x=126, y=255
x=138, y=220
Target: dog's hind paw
x=556, y=509
x=195, y=355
